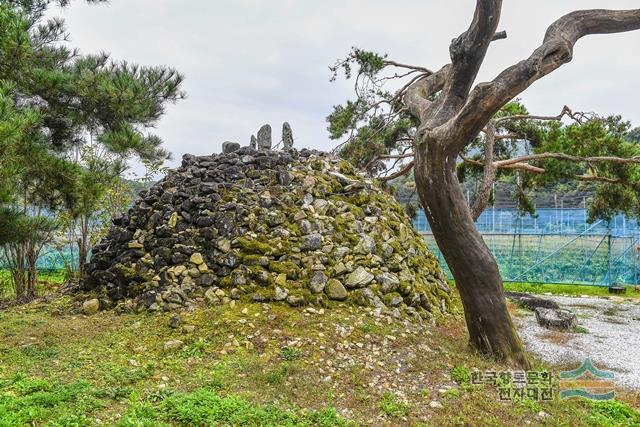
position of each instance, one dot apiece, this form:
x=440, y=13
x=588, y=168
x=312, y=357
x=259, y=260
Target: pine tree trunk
x=83, y=245
x=474, y=268
x=32, y=272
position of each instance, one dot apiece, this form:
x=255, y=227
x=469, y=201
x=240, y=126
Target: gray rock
x=253, y=142
x=284, y=178
x=281, y=294
x=178, y=244
x=173, y=345
x=211, y=297
x=395, y=301
x=91, y=306
x=305, y=227
x=366, y=245
x=389, y=282
x=287, y=136
x=342, y=252
x=317, y=282
x=358, y=278
x=554, y=318
x=175, y=321
x=531, y=301
x=335, y=290
x=295, y=300
x=365, y=297
x=343, y=179
x=230, y=147
x=264, y=138
x=373, y=298
x=307, y=200
x=238, y=279
x=311, y=242
x=206, y=280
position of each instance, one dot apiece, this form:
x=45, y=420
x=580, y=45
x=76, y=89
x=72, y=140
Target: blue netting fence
x=556, y=246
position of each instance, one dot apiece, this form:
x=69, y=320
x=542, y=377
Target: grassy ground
x=570, y=290
x=47, y=281
x=258, y=365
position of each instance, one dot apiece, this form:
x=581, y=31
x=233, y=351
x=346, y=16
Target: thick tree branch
x=467, y=53
x=417, y=94
x=557, y=49
x=482, y=196
x=526, y=167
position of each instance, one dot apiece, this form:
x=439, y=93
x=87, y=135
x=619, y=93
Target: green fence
x=535, y=250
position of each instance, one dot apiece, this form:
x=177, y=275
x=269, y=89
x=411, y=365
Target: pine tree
x=72, y=123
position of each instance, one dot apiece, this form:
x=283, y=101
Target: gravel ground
x=612, y=341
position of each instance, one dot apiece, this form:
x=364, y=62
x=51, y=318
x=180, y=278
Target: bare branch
x=597, y=178
x=405, y=170
x=481, y=198
x=537, y=170
x=388, y=157
x=500, y=35
x=565, y=111
x=557, y=49
x=510, y=135
x=568, y=157
x=394, y=156
x=408, y=66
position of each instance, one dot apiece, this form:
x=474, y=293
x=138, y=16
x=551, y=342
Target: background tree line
x=70, y=125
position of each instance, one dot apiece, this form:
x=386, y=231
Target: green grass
x=390, y=405
x=47, y=281
x=268, y=367
x=572, y=290
x=205, y=407
x=613, y=414
x=461, y=375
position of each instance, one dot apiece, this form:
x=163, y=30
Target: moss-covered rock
x=293, y=227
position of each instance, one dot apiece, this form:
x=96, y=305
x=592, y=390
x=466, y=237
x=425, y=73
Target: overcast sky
x=250, y=62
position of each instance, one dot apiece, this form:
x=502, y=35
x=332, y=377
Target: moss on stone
x=253, y=246
x=291, y=269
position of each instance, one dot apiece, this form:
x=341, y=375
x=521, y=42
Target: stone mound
x=298, y=227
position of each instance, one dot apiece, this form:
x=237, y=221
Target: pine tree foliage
x=377, y=133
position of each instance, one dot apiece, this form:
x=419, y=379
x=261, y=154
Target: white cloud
x=251, y=62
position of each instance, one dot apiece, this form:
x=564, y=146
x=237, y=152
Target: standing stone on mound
x=287, y=136
x=264, y=138
x=253, y=143
x=230, y=147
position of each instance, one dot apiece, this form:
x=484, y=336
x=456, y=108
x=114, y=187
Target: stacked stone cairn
x=255, y=224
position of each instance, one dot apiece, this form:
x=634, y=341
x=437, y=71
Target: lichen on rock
x=289, y=227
